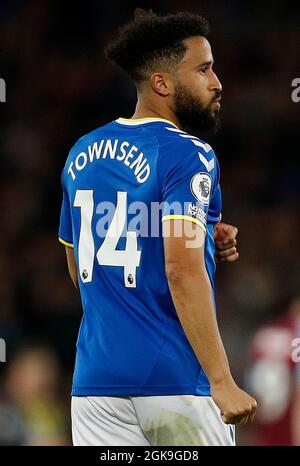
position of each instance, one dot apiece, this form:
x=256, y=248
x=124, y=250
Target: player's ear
x=162, y=84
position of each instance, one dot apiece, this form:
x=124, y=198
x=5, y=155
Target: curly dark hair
x=151, y=42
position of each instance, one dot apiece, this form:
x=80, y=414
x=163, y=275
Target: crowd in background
x=59, y=86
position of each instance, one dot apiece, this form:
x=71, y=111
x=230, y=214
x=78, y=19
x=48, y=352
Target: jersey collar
x=142, y=121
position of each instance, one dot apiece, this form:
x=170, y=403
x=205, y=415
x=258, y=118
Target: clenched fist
x=236, y=406
x=225, y=242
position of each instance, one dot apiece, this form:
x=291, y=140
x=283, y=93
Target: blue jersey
x=120, y=182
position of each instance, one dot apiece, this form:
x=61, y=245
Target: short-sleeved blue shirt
x=120, y=182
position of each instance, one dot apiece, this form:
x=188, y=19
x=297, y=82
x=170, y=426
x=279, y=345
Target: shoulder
x=83, y=142
x=178, y=148
x=89, y=137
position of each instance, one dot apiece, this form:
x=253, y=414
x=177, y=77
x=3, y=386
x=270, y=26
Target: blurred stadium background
x=59, y=86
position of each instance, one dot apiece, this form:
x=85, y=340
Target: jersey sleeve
x=188, y=178
x=65, y=234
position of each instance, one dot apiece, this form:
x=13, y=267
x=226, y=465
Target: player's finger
x=222, y=231
x=234, y=257
x=230, y=230
x=226, y=252
x=222, y=245
x=249, y=413
x=230, y=419
x=252, y=416
x=253, y=412
x=243, y=420
x=227, y=419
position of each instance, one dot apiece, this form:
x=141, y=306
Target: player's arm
x=65, y=234
x=72, y=265
x=192, y=296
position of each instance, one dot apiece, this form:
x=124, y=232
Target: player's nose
x=215, y=84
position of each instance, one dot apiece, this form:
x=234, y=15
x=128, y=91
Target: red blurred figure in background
x=274, y=378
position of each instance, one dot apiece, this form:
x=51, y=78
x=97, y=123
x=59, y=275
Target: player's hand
x=225, y=242
x=236, y=406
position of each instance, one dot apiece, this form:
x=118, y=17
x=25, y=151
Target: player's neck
x=143, y=110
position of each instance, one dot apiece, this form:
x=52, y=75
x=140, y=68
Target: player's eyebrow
x=206, y=63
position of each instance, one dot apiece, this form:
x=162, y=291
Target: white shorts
x=175, y=420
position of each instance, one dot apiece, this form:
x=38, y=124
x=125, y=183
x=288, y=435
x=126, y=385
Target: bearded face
x=194, y=116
